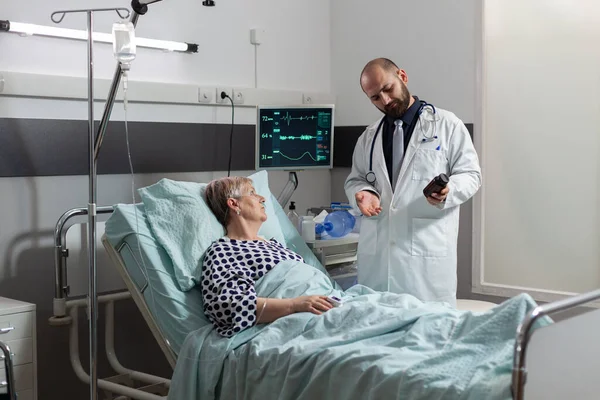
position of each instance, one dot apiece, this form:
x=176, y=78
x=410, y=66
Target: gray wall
x=433, y=41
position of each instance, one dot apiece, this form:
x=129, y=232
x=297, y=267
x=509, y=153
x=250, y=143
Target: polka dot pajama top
x=230, y=269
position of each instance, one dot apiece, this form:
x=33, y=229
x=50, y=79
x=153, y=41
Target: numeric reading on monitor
x=295, y=138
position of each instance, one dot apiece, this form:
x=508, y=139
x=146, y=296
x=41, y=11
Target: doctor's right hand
x=368, y=203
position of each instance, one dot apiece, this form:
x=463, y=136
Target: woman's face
x=252, y=205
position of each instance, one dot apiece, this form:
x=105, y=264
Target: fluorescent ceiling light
x=49, y=31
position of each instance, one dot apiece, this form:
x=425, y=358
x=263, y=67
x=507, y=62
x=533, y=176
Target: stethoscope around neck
x=370, y=176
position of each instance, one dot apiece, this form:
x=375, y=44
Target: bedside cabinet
x=339, y=257
x=17, y=331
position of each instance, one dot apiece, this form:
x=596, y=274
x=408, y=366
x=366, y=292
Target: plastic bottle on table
x=308, y=229
x=293, y=215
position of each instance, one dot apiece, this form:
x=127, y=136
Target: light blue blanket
x=376, y=346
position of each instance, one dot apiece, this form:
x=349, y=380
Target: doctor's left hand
x=437, y=198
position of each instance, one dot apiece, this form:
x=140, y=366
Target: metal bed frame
x=127, y=383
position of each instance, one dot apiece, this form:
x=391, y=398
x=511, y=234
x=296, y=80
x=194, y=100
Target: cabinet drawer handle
x=6, y=330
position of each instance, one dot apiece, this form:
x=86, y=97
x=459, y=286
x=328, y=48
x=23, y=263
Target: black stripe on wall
x=345, y=140
x=39, y=147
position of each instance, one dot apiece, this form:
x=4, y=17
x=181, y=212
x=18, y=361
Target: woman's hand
x=312, y=304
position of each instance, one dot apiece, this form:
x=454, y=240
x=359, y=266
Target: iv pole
x=140, y=7
x=92, y=299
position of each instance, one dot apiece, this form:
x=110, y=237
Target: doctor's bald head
x=385, y=63
x=385, y=85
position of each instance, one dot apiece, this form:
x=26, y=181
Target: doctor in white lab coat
x=408, y=243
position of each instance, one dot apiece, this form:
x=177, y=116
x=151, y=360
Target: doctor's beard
x=398, y=106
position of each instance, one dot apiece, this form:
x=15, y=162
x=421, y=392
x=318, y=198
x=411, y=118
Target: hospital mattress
x=150, y=271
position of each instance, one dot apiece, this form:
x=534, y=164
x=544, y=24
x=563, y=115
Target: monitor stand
x=288, y=190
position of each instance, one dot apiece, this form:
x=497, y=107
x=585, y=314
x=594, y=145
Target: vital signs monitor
x=294, y=137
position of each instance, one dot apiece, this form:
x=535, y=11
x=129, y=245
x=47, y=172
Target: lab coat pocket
x=428, y=163
x=429, y=237
x=367, y=243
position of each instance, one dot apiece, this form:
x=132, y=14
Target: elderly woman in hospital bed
x=235, y=261
x=228, y=251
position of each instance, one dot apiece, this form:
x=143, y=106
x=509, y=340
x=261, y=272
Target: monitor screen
x=294, y=137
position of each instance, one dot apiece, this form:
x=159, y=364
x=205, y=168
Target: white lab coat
x=410, y=247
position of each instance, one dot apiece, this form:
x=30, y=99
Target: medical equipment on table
x=436, y=185
x=337, y=255
x=370, y=176
x=336, y=224
x=333, y=207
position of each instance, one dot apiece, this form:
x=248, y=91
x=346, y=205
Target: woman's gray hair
x=219, y=190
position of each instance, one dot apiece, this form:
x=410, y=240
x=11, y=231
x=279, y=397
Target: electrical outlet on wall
x=229, y=91
x=307, y=98
x=206, y=95
x=238, y=96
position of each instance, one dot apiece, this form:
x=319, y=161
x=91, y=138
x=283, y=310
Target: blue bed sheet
x=376, y=346
x=176, y=313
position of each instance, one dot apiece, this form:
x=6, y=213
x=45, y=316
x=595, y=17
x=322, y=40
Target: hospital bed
x=562, y=358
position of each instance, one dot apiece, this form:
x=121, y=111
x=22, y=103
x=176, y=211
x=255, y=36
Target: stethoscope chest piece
x=371, y=177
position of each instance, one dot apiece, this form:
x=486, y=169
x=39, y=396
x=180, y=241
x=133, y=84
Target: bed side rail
x=61, y=286
x=519, y=375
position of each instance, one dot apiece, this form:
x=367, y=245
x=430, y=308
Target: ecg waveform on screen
x=288, y=118
x=306, y=153
x=302, y=137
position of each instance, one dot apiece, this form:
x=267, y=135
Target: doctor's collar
x=408, y=115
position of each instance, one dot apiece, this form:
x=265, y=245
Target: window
x=537, y=219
